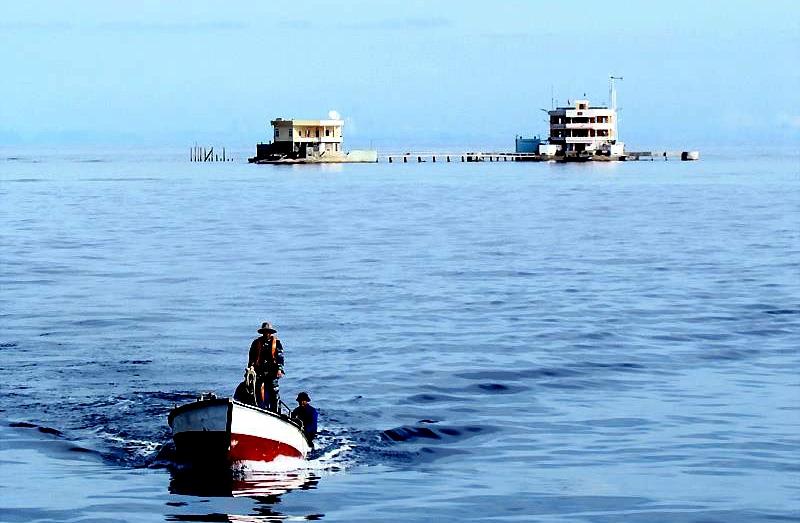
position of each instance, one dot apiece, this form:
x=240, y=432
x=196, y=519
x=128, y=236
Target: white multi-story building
x=582, y=127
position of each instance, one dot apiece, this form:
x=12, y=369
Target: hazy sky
x=407, y=72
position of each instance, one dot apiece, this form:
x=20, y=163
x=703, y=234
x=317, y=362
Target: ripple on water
x=447, y=433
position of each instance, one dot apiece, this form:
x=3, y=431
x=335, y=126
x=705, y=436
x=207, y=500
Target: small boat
x=214, y=432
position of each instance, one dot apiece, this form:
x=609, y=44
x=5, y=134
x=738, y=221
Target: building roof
x=575, y=106
x=309, y=123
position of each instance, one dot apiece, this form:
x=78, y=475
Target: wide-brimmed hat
x=267, y=328
x=303, y=396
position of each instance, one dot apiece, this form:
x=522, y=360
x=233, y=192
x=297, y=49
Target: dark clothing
x=308, y=415
x=271, y=394
x=266, y=357
x=244, y=394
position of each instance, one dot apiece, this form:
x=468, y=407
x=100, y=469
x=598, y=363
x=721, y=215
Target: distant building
x=303, y=138
x=582, y=127
x=308, y=141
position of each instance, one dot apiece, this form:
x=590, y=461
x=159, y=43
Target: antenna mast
x=613, y=93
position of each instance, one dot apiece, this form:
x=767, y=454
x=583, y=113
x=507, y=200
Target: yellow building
x=309, y=141
x=308, y=137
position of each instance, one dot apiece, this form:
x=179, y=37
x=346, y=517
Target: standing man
x=266, y=358
x=307, y=414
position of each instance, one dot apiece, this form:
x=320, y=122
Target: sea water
x=504, y=341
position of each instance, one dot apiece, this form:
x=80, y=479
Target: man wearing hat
x=266, y=358
x=307, y=414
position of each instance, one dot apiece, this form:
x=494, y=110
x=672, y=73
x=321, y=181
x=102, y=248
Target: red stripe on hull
x=252, y=448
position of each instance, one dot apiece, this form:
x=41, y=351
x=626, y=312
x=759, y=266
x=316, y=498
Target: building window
x=317, y=133
x=327, y=132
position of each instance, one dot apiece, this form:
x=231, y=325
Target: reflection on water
x=219, y=483
x=265, y=488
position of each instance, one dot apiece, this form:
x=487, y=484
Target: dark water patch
x=412, y=433
x=714, y=472
x=670, y=337
x=729, y=354
x=208, y=518
x=427, y=454
x=577, y=376
x=84, y=450
x=782, y=312
x=52, y=431
x=98, y=323
x=599, y=335
x=588, y=384
x=126, y=179
x=498, y=388
x=435, y=398
x=617, y=367
x=22, y=424
x=712, y=336
x=170, y=281
x=710, y=318
x=765, y=333
x=44, y=430
x=523, y=374
x=759, y=307
x=8, y=345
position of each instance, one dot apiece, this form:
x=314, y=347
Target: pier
x=434, y=157
x=451, y=157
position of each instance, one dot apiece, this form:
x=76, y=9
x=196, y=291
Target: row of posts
x=464, y=158
x=201, y=154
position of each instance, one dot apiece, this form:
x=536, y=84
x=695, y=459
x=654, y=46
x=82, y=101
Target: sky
x=402, y=73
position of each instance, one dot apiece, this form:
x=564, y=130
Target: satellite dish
x=333, y=115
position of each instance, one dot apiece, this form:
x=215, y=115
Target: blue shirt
x=308, y=415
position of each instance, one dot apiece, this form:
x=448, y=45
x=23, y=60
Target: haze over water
x=505, y=342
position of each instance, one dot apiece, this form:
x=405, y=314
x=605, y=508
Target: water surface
x=505, y=342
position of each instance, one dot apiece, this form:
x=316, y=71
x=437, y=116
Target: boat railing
x=284, y=409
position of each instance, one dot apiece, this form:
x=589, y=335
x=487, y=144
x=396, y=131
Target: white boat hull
x=227, y=432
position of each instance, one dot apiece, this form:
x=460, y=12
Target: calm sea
x=501, y=342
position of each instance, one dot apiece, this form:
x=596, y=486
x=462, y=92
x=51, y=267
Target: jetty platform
x=450, y=157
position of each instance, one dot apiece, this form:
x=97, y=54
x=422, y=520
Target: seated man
x=307, y=415
x=244, y=394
